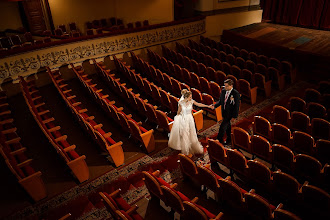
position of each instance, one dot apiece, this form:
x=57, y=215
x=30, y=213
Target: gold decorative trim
x=35, y=61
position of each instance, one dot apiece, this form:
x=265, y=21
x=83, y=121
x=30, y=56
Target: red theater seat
x=217, y=152
x=281, y=115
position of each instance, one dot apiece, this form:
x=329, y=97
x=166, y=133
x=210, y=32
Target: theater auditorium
x=89, y=91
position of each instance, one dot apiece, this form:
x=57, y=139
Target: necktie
x=226, y=98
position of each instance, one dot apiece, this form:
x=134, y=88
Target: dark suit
x=230, y=111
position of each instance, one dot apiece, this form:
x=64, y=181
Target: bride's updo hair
x=185, y=93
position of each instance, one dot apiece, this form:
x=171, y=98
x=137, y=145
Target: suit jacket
x=231, y=110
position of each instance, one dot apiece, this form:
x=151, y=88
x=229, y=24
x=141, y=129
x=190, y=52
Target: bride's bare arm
x=202, y=105
x=179, y=109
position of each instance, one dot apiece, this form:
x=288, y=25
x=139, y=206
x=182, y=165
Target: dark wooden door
x=35, y=16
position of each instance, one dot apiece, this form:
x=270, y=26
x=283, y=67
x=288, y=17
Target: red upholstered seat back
x=281, y=134
x=316, y=110
x=312, y=95
x=196, y=95
x=281, y=115
x=207, y=99
x=236, y=160
x=162, y=119
x=152, y=184
x=217, y=151
x=193, y=211
x=173, y=199
x=308, y=166
x=208, y=178
x=286, y=184
x=244, y=87
x=297, y=104
x=320, y=129
x=258, y=206
x=300, y=121
x=241, y=138
x=259, y=172
x=316, y=198
x=215, y=90
x=187, y=166
x=231, y=193
x=303, y=142
x=282, y=156
x=236, y=71
x=260, y=146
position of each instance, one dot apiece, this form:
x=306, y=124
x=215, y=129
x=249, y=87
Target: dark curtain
x=310, y=13
x=325, y=18
x=266, y=6
x=305, y=13
x=281, y=9
x=274, y=8
x=318, y=13
x=293, y=11
x=262, y=3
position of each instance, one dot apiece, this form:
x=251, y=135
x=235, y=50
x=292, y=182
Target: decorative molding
x=35, y=61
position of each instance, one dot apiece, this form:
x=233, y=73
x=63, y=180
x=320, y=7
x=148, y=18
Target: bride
x=183, y=135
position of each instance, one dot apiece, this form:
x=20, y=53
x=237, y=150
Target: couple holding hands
x=183, y=135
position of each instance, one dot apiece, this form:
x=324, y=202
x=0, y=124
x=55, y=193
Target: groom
x=229, y=101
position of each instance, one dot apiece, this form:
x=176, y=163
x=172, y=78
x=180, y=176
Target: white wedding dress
x=183, y=135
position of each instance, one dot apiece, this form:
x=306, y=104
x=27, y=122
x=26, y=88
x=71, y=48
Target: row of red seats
x=281, y=156
x=249, y=82
x=277, y=184
x=101, y=26
x=134, y=128
x=241, y=68
x=166, y=99
x=303, y=130
x=14, y=41
x=312, y=109
x=153, y=114
x=251, y=62
x=118, y=207
x=257, y=78
x=17, y=43
x=158, y=94
x=42, y=116
x=107, y=144
x=319, y=128
x=62, y=32
x=313, y=95
x=58, y=33
x=313, y=103
x=284, y=67
x=274, y=185
x=305, y=136
x=199, y=71
x=155, y=75
x=14, y=154
x=227, y=192
x=72, y=27
x=174, y=199
x=175, y=86
x=104, y=23
x=301, y=122
x=190, y=78
x=242, y=85
x=227, y=63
